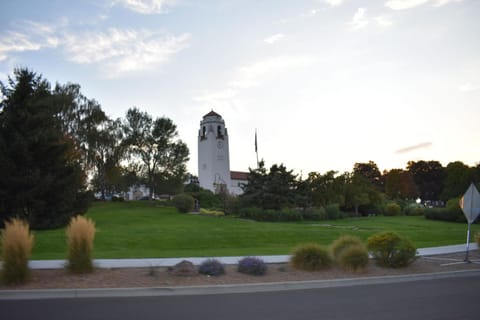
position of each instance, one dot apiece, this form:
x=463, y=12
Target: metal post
x=468, y=244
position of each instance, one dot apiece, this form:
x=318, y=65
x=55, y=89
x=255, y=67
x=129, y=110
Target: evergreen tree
x=276, y=189
x=42, y=180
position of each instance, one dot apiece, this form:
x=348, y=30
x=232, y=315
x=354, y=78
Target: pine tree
x=42, y=180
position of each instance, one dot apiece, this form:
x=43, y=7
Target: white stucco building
x=214, y=157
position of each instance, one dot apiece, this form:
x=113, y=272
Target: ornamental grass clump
x=211, y=267
x=342, y=243
x=17, y=243
x=80, y=235
x=311, y=257
x=391, y=250
x=253, y=266
x=350, y=253
x=353, y=258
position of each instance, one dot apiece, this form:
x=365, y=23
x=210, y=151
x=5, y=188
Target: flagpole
x=256, y=146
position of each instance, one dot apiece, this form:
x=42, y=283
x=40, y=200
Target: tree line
x=362, y=190
x=56, y=145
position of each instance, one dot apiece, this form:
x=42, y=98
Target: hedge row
x=331, y=212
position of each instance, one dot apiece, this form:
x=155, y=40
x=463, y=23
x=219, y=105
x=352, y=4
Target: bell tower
x=213, y=154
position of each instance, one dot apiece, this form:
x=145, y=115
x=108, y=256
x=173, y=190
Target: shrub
x=311, y=257
x=333, y=212
x=453, y=204
x=80, y=234
x=477, y=239
x=445, y=214
x=391, y=250
x=184, y=268
x=184, y=202
x=354, y=257
x=253, y=266
x=271, y=215
x=314, y=214
x=392, y=209
x=211, y=267
x=339, y=245
x=414, y=210
x=17, y=243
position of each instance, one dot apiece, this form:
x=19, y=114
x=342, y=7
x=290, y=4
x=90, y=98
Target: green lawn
x=140, y=230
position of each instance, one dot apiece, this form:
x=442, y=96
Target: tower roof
x=212, y=114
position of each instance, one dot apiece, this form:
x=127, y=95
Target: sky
x=326, y=83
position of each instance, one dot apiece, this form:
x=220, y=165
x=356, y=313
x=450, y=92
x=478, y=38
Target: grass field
x=141, y=230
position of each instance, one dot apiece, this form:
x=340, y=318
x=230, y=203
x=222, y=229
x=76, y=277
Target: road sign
x=470, y=203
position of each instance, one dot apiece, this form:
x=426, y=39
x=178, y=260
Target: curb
x=224, y=289
x=169, y=262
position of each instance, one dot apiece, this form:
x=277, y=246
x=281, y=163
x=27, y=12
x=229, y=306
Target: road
x=452, y=298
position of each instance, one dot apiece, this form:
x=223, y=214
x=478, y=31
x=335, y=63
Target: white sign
x=470, y=203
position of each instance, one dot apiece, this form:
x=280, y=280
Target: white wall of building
x=213, y=153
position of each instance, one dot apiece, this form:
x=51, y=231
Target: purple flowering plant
x=253, y=266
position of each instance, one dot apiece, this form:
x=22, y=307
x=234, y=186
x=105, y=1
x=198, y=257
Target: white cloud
x=359, y=20
x=468, y=87
x=252, y=72
x=274, y=38
x=333, y=3
x=214, y=97
x=311, y=13
x=146, y=6
x=124, y=50
x=383, y=21
x=116, y=51
x=408, y=4
x=439, y=3
x=243, y=84
x=31, y=36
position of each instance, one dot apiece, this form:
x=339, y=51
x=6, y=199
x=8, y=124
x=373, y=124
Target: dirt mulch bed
x=162, y=277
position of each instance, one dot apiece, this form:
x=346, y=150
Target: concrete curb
x=169, y=262
x=224, y=289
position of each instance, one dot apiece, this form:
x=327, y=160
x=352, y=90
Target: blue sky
x=327, y=83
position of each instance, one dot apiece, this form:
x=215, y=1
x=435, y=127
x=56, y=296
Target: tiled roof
x=212, y=114
x=237, y=175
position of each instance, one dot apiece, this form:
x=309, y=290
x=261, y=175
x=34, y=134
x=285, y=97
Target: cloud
x=252, y=72
x=146, y=6
x=359, y=20
x=30, y=36
x=213, y=97
x=383, y=21
x=333, y=3
x=409, y=4
x=251, y=76
x=423, y=145
x=116, y=51
x=274, y=38
x=124, y=50
x=468, y=87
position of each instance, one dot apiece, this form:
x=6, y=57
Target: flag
x=256, y=146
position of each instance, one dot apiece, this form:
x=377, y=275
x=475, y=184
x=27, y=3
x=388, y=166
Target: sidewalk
x=168, y=262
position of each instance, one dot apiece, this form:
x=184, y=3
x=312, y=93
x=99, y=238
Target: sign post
x=470, y=204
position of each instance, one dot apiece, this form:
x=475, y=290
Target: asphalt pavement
x=446, y=298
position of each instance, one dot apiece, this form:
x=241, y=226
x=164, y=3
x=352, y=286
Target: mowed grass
x=143, y=230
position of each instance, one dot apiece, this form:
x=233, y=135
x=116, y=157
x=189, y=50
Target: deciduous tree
x=156, y=146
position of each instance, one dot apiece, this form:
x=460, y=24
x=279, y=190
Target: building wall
x=235, y=186
x=213, y=153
